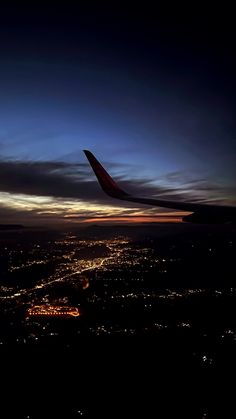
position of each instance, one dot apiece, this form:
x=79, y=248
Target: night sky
x=152, y=96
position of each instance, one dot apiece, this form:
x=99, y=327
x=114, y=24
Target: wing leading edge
x=201, y=213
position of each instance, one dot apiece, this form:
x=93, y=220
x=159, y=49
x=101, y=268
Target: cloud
x=63, y=180
x=57, y=190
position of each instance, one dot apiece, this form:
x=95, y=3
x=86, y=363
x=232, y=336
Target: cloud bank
x=55, y=191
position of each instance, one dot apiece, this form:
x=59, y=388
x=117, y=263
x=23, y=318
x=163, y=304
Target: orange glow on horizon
x=139, y=219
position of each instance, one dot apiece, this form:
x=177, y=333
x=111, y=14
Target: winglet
x=108, y=185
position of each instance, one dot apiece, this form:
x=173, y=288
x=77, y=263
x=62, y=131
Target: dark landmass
x=11, y=226
x=157, y=319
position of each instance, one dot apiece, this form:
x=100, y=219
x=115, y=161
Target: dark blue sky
x=152, y=96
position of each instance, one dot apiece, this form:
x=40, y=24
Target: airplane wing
x=201, y=213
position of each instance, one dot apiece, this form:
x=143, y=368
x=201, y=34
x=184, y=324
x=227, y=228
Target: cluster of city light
x=71, y=267
x=53, y=311
x=170, y=294
x=27, y=265
x=108, y=330
x=74, y=266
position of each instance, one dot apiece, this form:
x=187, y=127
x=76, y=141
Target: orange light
x=53, y=311
x=139, y=219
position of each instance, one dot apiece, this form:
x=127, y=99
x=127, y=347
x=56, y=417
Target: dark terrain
x=157, y=318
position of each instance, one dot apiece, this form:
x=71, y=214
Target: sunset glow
x=133, y=220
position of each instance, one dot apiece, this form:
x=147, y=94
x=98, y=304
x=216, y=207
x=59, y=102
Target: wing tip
x=106, y=182
x=87, y=152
